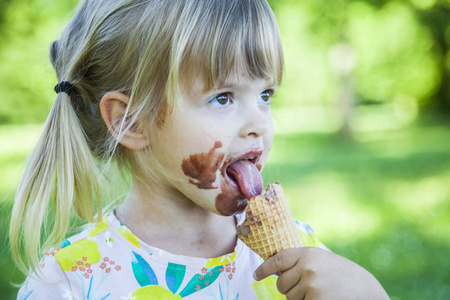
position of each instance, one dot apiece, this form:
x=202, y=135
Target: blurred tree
x=395, y=53
x=436, y=16
x=26, y=78
x=3, y=6
x=401, y=51
x=342, y=61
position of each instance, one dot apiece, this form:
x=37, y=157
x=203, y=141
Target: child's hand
x=313, y=273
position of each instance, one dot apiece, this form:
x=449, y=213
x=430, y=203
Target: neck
x=173, y=223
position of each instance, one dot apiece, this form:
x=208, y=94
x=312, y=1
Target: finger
x=297, y=292
x=280, y=262
x=288, y=279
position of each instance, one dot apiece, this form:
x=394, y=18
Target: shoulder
x=82, y=248
x=91, y=231
x=49, y=282
x=304, y=227
x=309, y=236
x=85, y=259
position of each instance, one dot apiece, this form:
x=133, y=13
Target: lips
x=243, y=174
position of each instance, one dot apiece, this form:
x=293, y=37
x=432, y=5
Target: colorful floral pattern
x=266, y=289
x=126, y=233
x=78, y=256
x=107, y=261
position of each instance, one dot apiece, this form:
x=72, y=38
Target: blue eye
x=222, y=99
x=266, y=96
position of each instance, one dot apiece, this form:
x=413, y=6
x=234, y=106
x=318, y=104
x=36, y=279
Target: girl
x=178, y=93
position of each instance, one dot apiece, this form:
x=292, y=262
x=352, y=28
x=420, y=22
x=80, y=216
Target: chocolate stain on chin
x=202, y=167
x=229, y=203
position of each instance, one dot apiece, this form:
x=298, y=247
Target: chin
x=229, y=206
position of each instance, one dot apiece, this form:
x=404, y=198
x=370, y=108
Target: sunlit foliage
x=379, y=67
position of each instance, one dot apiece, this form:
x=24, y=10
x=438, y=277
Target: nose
x=256, y=122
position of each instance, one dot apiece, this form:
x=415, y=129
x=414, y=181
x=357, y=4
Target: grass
x=15, y=144
x=381, y=200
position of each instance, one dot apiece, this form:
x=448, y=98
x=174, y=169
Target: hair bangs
x=245, y=42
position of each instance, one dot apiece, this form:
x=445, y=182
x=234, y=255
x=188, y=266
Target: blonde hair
x=144, y=49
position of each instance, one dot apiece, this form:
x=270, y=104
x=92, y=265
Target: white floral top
x=107, y=261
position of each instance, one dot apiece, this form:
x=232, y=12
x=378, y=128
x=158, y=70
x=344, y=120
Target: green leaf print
x=64, y=243
x=200, y=281
x=174, y=276
x=142, y=271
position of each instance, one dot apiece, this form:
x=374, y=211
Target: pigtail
x=60, y=174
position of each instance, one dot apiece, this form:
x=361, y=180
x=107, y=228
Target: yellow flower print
x=78, y=254
x=126, y=233
x=98, y=227
x=221, y=260
x=154, y=292
x=309, y=240
x=266, y=289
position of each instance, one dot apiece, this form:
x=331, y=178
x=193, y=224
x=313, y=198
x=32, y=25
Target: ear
x=113, y=107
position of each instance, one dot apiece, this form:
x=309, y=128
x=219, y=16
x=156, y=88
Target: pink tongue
x=248, y=177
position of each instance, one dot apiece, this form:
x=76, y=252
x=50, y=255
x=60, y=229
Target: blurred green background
x=362, y=124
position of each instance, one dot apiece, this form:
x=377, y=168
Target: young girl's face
x=210, y=130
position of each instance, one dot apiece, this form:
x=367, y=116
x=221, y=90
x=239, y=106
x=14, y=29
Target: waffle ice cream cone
x=269, y=226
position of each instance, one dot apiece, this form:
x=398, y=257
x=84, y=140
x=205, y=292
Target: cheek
x=268, y=141
x=201, y=168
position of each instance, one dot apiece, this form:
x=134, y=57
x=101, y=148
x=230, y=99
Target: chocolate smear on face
x=229, y=203
x=202, y=167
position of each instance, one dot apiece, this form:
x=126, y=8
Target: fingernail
x=255, y=276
